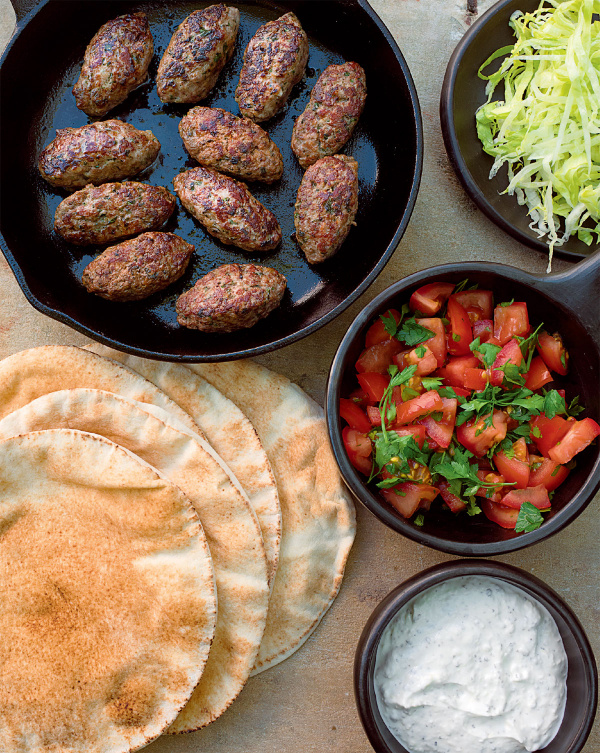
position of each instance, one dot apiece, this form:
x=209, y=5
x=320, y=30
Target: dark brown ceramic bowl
x=567, y=303
x=43, y=60
x=463, y=92
x=582, y=679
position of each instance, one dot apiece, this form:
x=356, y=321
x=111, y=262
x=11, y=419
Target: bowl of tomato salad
x=463, y=405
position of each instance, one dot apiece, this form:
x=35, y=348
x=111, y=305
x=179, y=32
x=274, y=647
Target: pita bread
x=107, y=606
x=318, y=515
x=228, y=431
x=37, y=371
x=229, y=523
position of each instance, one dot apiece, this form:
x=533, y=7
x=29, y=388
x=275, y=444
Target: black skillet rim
x=299, y=334
x=354, y=481
x=453, y=146
x=368, y=643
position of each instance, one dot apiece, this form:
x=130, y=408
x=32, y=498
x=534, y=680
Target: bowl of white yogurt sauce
x=474, y=656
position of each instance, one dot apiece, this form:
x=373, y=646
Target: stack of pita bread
x=165, y=532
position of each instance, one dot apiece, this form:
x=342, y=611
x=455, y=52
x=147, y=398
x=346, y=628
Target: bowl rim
x=576, y=505
x=25, y=14
x=454, y=152
x=366, y=651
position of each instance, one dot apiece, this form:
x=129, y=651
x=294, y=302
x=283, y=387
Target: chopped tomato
x=377, y=332
x=441, y=431
x=425, y=363
x=510, y=353
x=500, y=514
x=577, y=438
x=546, y=432
x=358, y=446
x=546, y=472
x=510, y=321
x=428, y=402
x=452, y=501
x=429, y=299
x=354, y=415
x=477, y=303
x=374, y=415
x=359, y=397
x=489, y=492
x=483, y=329
x=454, y=372
x=535, y=495
x=538, y=374
x=418, y=433
x=514, y=466
x=476, y=379
x=378, y=357
x=407, y=497
x=374, y=384
x=460, y=334
x=437, y=345
x=553, y=352
x=478, y=438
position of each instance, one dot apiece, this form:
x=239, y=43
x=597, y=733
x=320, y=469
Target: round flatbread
x=227, y=429
x=37, y=371
x=318, y=518
x=229, y=522
x=107, y=599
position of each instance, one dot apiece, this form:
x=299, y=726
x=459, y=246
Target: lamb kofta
x=231, y=297
x=138, y=268
x=326, y=206
x=96, y=153
x=227, y=209
x=197, y=53
x=115, y=63
x=237, y=146
x=274, y=62
x=336, y=103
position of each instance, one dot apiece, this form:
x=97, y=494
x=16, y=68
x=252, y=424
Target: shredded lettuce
x=547, y=127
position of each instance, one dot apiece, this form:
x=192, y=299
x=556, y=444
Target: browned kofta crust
x=227, y=209
x=326, y=206
x=231, y=297
x=97, y=153
x=335, y=105
x=197, y=53
x=274, y=62
x=237, y=146
x=138, y=268
x=101, y=214
x=116, y=62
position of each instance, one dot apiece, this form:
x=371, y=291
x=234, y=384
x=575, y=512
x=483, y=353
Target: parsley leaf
x=420, y=351
x=507, y=303
x=389, y=324
x=412, y=333
x=487, y=350
x=432, y=383
x=420, y=519
x=574, y=408
x=529, y=518
x=554, y=404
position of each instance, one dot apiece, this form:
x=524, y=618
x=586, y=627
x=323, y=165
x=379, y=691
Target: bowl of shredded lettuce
x=520, y=112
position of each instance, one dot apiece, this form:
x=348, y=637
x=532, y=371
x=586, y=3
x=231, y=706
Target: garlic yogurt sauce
x=472, y=665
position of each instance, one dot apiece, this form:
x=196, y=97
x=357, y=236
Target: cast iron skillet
x=38, y=71
x=567, y=302
x=582, y=678
x=462, y=93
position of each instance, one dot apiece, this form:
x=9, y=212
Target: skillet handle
x=579, y=289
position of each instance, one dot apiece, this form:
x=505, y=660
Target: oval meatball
x=237, y=146
x=231, y=297
x=227, y=209
x=197, y=53
x=97, y=153
x=116, y=62
x=335, y=105
x=274, y=62
x=101, y=214
x=326, y=206
x=138, y=268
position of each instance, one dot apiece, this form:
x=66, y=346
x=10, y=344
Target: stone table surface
x=306, y=703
